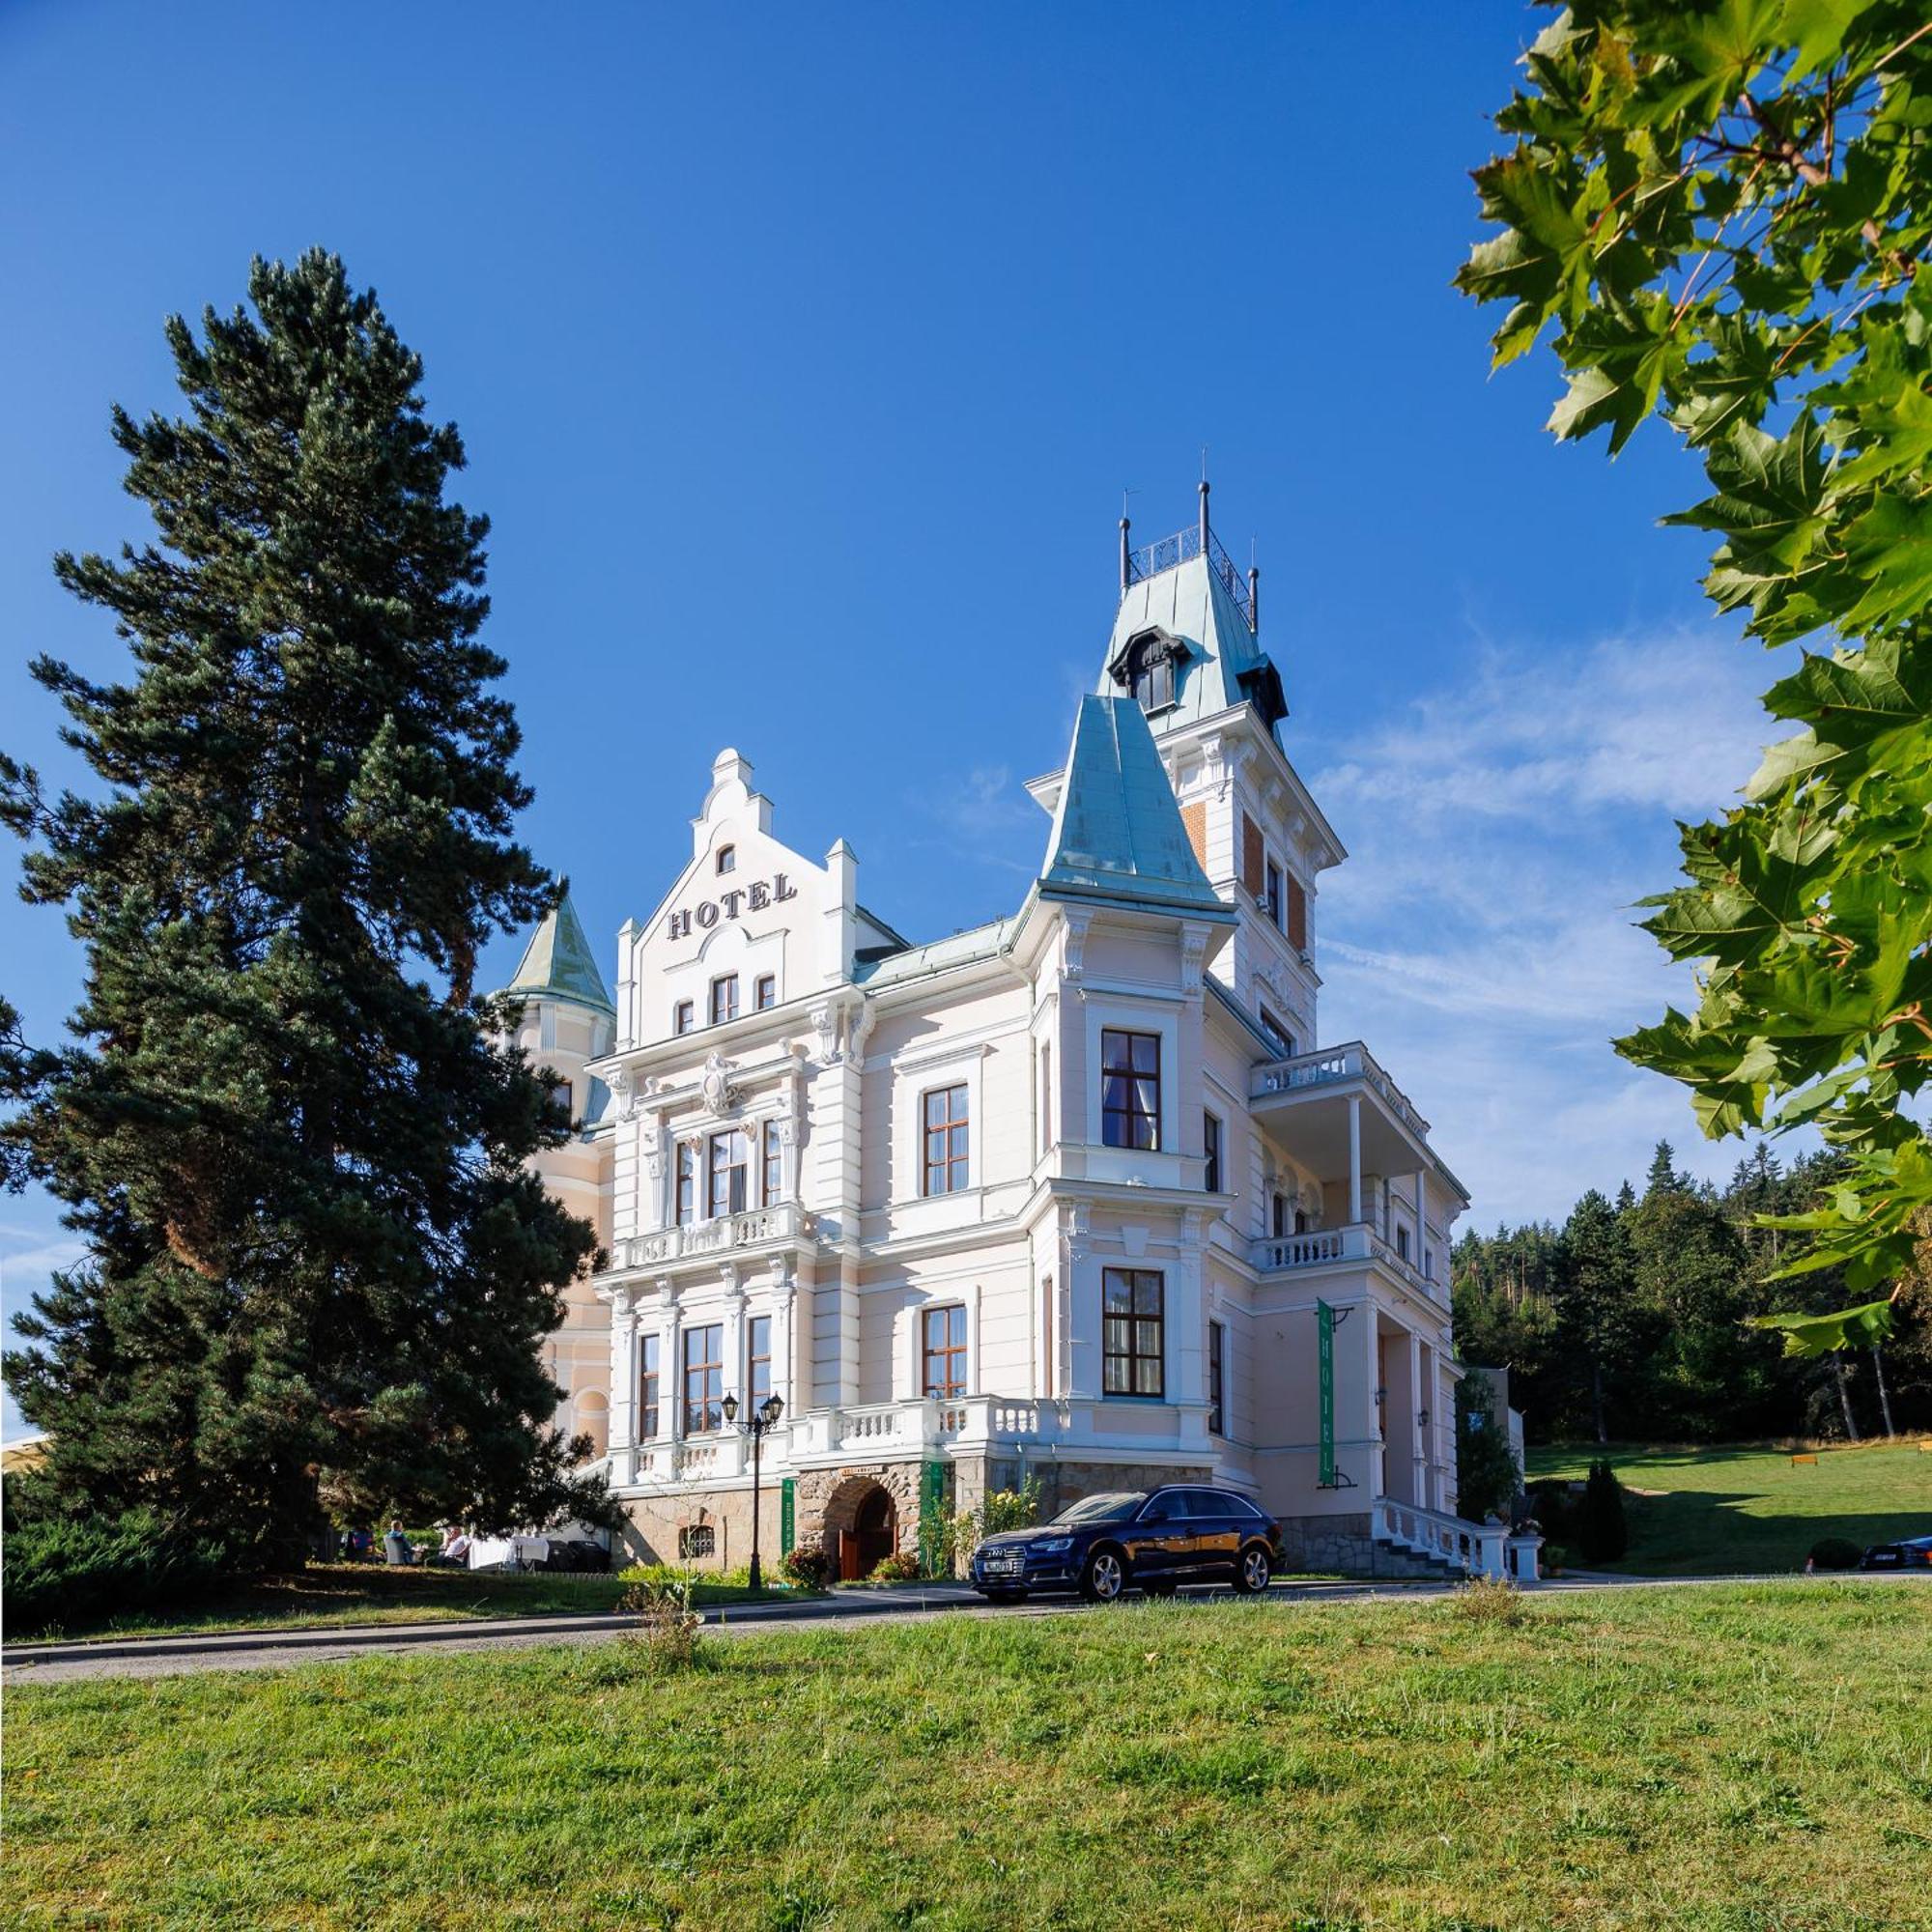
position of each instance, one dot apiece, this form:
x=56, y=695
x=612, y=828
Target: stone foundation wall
x=651, y=1532
x=1343, y=1544
x=1062, y=1483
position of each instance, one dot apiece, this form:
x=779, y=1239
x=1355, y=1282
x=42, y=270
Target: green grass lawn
x=1732, y=1511
x=1739, y=1759
x=330, y=1595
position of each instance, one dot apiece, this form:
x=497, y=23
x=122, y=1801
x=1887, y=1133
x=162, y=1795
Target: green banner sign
x=934, y=1493
x=1325, y=1358
x=787, y=1516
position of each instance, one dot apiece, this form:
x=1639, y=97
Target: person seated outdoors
x=454, y=1553
x=397, y=1549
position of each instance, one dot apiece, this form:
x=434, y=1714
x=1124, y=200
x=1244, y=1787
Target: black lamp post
x=755, y=1425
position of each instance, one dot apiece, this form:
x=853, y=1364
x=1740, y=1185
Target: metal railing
x=1183, y=547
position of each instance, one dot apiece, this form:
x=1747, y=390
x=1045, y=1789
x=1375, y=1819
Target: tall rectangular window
x=704, y=1378
x=1210, y=1146
x=773, y=1163
x=947, y=1167
x=765, y=993
x=683, y=1016
x=1271, y=892
x=758, y=1366
x=731, y=1171
x=1217, y=1373
x=686, y=1182
x=1133, y=1322
x=725, y=999
x=943, y=1355
x=648, y=1389
x=1129, y=1088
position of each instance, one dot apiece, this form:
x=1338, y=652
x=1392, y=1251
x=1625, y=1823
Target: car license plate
x=1005, y=1566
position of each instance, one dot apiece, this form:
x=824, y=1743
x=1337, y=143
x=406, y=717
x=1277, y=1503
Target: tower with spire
x=566, y=1022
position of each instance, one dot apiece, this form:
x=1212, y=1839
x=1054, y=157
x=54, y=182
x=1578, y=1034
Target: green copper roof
x=1190, y=602
x=1118, y=833
x=557, y=962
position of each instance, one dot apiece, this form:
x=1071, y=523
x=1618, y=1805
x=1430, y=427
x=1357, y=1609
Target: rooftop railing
x=1183, y=547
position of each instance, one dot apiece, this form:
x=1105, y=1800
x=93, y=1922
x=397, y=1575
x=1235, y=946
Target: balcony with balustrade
x=922, y=1428
x=749, y=1236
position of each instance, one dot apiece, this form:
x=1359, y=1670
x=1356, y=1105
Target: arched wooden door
x=874, y=1535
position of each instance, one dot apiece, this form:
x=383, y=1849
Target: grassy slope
x=1749, y=1510
x=1746, y=1757
x=327, y=1595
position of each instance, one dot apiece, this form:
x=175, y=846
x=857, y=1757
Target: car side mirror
x=1155, y=1515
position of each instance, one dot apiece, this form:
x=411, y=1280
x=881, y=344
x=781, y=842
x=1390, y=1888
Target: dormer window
x=728, y=858
x=1147, y=669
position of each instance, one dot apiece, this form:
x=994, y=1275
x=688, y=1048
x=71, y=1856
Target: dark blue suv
x=1157, y=1539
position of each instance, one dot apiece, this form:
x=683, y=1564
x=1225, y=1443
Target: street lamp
x=755, y=1425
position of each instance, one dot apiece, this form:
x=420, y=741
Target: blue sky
x=803, y=356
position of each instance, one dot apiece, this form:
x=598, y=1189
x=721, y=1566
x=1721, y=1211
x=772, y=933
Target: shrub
x=1487, y=1477
x=805, y=1566
x=1490, y=1599
x=1002, y=1510
x=68, y=1570
x=898, y=1568
x=1836, y=1552
x=1552, y=1556
x=667, y=1637
x=1602, y=1534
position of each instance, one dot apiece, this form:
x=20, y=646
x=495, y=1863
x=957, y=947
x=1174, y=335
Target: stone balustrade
x=1331, y=1066
x=1476, y=1548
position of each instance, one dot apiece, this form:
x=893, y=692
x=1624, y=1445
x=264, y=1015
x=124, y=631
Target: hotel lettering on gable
x=1081, y=1195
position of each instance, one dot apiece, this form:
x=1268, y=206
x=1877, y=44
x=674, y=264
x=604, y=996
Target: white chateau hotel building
x=1075, y=1195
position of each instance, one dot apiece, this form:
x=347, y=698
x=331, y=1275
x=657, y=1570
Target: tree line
x=1629, y=1320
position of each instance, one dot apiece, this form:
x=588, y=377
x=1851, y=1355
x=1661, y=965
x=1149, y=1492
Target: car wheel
x=1253, y=1572
x=1005, y=1596
x=1104, y=1577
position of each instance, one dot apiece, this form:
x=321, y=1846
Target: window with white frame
x=1133, y=1322
x=758, y=1358
x=772, y=1161
x=1129, y=1088
x=648, y=1389
x=943, y=1351
x=944, y=1129
x=730, y=1173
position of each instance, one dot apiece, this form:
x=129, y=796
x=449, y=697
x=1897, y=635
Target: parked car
x=1912, y=1553
x=1156, y=1539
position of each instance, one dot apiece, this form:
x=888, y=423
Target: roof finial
x=1127, y=563
x=1204, y=512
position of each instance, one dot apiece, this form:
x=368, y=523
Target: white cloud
x=1482, y=936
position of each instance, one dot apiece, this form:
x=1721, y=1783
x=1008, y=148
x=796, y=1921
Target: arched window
x=728, y=858
x=593, y=1419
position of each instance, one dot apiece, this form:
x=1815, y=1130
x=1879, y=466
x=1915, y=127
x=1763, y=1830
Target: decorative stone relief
x=719, y=1095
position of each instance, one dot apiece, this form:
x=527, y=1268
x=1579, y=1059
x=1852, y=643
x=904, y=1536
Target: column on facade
x=1354, y=1157
x=1371, y=1345
x=623, y=1434
x=1187, y=1319
x=1082, y=1300
x=1418, y=1401
x=734, y=1333
x=1421, y=1219
x=670, y=1360
x=784, y=1297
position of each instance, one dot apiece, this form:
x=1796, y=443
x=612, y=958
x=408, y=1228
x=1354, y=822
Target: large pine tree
x=320, y=1267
